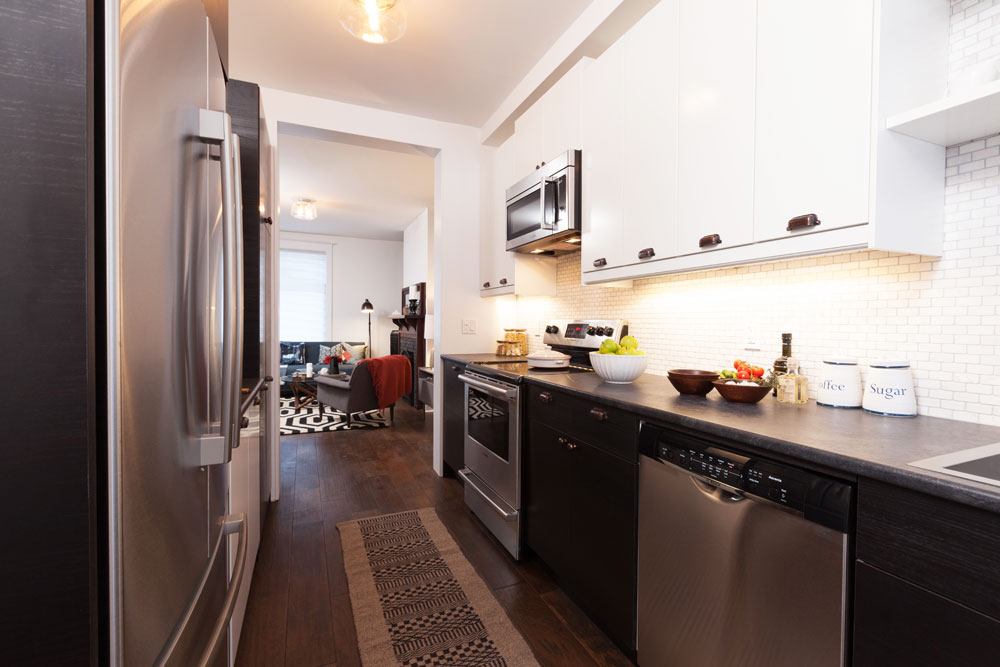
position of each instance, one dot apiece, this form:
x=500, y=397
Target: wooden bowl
x=739, y=393
x=692, y=382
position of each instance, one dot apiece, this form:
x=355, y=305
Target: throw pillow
x=357, y=351
x=326, y=351
x=293, y=353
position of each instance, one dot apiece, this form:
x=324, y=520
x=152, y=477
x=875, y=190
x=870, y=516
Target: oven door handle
x=496, y=392
x=467, y=476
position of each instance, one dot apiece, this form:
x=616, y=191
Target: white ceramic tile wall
x=940, y=314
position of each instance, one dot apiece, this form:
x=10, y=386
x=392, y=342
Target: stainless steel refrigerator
x=175, y=319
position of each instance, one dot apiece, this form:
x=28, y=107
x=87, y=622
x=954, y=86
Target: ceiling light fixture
x=304, y=209
x=374, y=21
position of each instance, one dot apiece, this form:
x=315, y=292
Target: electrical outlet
x=468, y=326
x=750, y=341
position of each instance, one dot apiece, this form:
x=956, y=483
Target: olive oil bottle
x=793, y=387
x=779, y=364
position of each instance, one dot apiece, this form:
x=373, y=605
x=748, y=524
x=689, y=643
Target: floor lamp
x=367, y=307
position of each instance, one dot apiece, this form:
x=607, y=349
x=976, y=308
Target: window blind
x=303, y=311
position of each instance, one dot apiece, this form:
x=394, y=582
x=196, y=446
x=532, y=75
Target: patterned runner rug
x=307, y=419
x=418, y=602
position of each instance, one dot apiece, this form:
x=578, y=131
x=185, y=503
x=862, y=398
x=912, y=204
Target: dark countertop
x=480, y=358
x=850, y=441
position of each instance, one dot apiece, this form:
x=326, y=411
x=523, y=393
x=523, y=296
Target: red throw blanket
x=392, y=377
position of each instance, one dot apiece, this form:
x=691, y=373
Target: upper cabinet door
x=561, y=113
x=716, y=124
x=528, y=131
x=604, y=159
x=814, y=77
x=504, y=176
x=650, y=190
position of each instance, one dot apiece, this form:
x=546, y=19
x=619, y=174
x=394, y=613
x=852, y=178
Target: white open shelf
x=953, y=120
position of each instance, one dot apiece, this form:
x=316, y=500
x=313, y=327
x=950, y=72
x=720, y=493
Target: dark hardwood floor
x=299, y=612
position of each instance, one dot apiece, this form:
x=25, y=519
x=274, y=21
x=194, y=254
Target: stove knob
x=600, y=331
x=591, y=331
x=609, y=331
x=552, y=329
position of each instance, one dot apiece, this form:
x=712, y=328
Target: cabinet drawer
x=610, y=429
x=897, y=623
x=946, y=547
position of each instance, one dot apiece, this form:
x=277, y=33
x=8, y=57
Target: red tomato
x=738, y=363
x=757, y=372
x=743, y=375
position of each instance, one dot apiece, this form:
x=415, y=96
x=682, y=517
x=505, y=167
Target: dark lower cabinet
x=453, y=415
x=580, y=519
x=898, y=623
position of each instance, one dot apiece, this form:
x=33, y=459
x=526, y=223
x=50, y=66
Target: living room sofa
x=312, y=356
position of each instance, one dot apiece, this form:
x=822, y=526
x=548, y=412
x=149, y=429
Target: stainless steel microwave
x=543, y=209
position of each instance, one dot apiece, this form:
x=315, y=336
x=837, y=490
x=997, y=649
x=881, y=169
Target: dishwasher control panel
x=724, y=467
x=819, y=498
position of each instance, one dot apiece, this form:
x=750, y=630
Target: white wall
x=455, y=214
x=416, y=253
x=359, y=269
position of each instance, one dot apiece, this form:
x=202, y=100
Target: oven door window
x=524, y=215
x=489, y=422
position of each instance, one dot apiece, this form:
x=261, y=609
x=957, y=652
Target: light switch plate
x=750, y=341
x=468, y=326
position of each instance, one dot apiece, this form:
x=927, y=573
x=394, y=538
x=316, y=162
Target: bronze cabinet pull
x=646, y=253
x=802, y=222
x=545, y=397
x=486, y=285
x=503, y=281
x=710, y=240
x=600, y=261
x=599, y=415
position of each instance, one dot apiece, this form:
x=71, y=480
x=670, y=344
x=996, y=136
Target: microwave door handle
x=557, y=185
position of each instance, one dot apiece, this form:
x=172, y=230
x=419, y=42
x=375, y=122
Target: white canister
x=889, y=390
x=839, y=384
x=309, y=370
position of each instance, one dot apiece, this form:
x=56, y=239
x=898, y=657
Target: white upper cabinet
x=561, y=113
x=709, y=127
x=814, y=114
x=650, y=136
x=604, y=160
x=528, y=142
x=715, y=124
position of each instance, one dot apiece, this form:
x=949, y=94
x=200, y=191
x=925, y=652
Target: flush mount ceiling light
x=304, y=209
x=374, y=21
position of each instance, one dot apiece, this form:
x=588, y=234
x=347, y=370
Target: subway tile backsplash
x=941, y=314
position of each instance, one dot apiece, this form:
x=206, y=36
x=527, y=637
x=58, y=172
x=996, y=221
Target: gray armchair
x=356, y=394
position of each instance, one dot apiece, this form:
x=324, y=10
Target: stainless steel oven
x=543, y=209
x=492, y=455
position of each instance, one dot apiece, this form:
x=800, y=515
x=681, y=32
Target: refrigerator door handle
x=215, y=127
x=234, y=309
x=230, y=525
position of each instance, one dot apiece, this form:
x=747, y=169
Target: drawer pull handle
x=646, y=253
x=545, y=397
x=503, y=281
x=486, y=285
x=600, y=261
x=803, y=222
x=599, y=415
x=710, y=240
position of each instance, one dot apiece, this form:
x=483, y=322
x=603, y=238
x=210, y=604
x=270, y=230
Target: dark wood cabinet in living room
x=580, y=519
x=453, y=413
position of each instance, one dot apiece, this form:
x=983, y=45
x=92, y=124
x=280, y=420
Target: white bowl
x=619, y=368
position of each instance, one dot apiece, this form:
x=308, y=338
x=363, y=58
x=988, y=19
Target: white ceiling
x=457, y=61
x=359, y=190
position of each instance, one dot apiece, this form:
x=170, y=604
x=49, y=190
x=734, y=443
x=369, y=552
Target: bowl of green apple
x=619, y=363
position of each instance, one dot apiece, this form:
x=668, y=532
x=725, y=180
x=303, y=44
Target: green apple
x=608, y=346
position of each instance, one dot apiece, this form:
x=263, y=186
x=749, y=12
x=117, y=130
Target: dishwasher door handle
x=718, y=493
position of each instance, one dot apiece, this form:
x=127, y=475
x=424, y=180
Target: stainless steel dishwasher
x=742, y=561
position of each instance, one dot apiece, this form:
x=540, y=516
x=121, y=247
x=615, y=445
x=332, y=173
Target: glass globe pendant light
x=304, y=209
x=374, y=21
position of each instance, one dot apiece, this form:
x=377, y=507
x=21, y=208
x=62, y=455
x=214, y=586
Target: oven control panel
x=586, y=333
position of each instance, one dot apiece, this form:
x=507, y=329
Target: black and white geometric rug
x=307, y=419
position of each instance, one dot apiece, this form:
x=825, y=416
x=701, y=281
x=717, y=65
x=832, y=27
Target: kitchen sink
x=980, y=464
